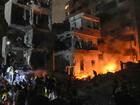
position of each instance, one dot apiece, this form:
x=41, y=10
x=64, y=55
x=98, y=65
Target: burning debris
x=85, y=48
x=110, y=67
x=88, y=50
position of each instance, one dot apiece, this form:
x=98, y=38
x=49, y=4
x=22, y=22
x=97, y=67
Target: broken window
x=87, y=45
x=67, y=42
x=87, y=24
x=19, y=16
x=90, y=24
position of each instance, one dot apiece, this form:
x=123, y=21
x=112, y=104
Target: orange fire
x=103, y=67
x=110, y=67
x=82, y=76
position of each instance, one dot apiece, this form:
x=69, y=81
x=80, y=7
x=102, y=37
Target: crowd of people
x=20, y=87
x=23, y=87
x=23, y=92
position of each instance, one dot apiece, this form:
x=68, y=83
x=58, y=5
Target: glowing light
x=82, y=76
x=8, y=42
x=66, y=7
x=110, y=67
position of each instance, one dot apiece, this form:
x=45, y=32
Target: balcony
x=84, y=44
x=91, y=18
x=35, y=8
x=85, y=25
x=21, y=15
x=87, y=33
x=86, y=52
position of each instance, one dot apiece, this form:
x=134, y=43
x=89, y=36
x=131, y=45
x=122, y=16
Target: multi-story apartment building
x=118, y=41
x=120, y=21
x=80, y=54
x=30, y=25
x=3, y=24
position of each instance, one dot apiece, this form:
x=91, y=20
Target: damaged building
x=80, y=52
x=89, y=45
x=97, y=35
x=119, y=23
x=29, y=24
x=3, y=24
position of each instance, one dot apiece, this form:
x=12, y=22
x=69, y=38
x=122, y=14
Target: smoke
x=120, y=48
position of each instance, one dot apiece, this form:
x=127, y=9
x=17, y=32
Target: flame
x=82, y=76
x=111, y=56
x=110, y=67
x=108, y=64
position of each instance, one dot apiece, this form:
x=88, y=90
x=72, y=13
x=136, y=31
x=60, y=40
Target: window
x=96, y=25
x=92, y=62
x=82, y=65
x=90, y=25
x=87, y=24
x=87, y=45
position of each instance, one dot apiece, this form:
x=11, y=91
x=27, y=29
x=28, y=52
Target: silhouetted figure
x=95, y=73
x=3, y=67
x=51, y=85
x=122, y=65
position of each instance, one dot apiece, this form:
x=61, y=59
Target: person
x=95, y=73
x=3, y=67
x=51, y=85
x=122, y=65
x=95, y=83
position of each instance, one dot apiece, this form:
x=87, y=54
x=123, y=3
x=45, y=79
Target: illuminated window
x=92, y=62
x=82, y=65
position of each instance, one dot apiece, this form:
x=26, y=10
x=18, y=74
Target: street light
x=8, y=43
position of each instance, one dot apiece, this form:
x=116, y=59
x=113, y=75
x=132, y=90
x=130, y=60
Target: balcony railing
x=87, y=32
